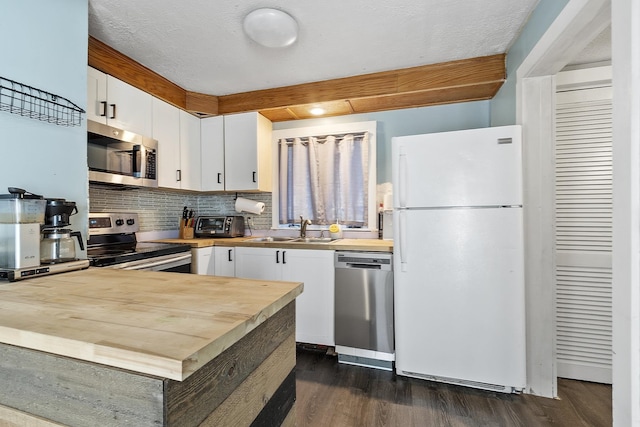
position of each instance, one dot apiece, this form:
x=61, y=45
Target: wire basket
x=18, y=98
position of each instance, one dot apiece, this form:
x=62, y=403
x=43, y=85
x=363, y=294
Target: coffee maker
x=57, y=244
x=34, y=240
x=21, y=215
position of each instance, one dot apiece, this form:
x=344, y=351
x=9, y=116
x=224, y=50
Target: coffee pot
x=57, y=244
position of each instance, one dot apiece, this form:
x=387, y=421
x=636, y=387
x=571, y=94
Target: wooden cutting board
x=164, y=324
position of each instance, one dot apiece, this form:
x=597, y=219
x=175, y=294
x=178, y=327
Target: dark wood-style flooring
x=332, y=394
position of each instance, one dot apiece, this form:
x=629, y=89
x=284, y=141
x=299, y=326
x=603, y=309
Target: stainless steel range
x=113, y=244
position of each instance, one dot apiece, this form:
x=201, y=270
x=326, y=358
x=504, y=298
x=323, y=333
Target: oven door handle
x=151, y=264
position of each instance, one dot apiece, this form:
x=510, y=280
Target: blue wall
x=412, y=121
x=44, y=45
x=503, y=105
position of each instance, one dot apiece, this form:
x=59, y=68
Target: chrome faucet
x=303, y=227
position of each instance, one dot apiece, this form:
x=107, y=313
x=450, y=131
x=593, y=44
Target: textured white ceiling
x=599, y=50
x=200, y=45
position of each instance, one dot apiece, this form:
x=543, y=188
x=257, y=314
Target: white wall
x=408, y=121
x=44, y=45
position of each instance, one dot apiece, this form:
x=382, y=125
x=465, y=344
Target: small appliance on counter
x=57, y=245
x=23, y=217
x=219, y=226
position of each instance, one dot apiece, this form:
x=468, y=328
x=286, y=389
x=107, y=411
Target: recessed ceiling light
x=317, y=111
x=271, y=27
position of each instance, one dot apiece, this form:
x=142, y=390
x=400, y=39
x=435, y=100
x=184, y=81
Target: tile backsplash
x=160, y=209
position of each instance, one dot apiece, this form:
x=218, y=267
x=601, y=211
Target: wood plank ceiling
x=445, y=83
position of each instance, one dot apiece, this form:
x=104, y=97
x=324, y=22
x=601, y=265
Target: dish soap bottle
x=335, y=231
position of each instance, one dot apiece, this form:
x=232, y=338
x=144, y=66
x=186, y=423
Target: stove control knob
x=119, y=222
x=130, y=221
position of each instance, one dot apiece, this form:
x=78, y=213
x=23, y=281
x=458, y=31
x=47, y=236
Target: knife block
x=185, y=231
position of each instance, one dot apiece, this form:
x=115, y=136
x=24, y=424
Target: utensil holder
x=185, y=231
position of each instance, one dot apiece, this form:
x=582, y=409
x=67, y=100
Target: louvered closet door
x=583, y=234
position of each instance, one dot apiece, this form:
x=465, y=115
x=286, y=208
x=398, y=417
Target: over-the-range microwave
x=116, y=156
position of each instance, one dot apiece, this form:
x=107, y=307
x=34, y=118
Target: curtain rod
x=324, y=137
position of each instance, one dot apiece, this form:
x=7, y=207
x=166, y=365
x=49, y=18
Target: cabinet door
x=96, y=95
x=190, y=151
x=129, y=108
x=315, y=306
x=212, y=158
x=259, y=263
x=166, y=130
x=225, y=261
x=247, y=142
x=202, y=261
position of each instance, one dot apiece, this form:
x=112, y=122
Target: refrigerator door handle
x=402, y=185
x=402, y=227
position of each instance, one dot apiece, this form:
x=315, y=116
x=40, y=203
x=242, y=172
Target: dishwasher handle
x=368, y=266
x=364, y=261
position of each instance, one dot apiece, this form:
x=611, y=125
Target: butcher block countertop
x=157, y=323
x=372, y=245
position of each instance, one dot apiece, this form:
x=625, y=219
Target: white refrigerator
x=459, y=258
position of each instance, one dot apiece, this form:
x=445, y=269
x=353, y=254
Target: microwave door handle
x=138, y=152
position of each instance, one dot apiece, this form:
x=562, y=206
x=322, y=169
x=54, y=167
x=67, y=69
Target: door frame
x=574, y=28
x=577, y=24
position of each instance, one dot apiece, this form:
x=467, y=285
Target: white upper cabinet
x=97, y=106
x=116, y=103
x=212, y=159
x=247, y=152
x=178, y=136
x=166, y=130
x=190, y=152
x=236, y=153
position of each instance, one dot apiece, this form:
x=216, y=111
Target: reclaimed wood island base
x=114, y=348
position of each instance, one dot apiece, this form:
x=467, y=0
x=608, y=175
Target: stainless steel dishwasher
x=364, y=308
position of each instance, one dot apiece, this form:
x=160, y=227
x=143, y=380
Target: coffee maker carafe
x=57, y=244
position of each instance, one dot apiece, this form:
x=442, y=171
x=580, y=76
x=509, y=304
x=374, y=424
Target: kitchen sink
x=268, y=239
x=313, y=240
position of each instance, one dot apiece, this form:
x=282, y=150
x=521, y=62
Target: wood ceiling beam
x=443, y=83
x=448, y=75
x=120, y=66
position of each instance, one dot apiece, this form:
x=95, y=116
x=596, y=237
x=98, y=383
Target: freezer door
x=459, y=296
x=478, y=167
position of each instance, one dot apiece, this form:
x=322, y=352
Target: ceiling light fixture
x=317, y=111
x=271, y=27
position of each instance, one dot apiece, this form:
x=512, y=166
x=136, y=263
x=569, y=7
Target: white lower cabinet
x=314, y=308
x=225, y=261
x=202, y=261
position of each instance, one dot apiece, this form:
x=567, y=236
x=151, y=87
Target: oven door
x=176, y=263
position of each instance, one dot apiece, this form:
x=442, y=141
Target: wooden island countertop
x=164, y=324
x=113, y=348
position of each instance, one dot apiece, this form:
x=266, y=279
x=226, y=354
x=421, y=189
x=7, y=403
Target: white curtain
x=324, y=179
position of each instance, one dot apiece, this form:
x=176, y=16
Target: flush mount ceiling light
x=317, y=111
x=271, y=27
